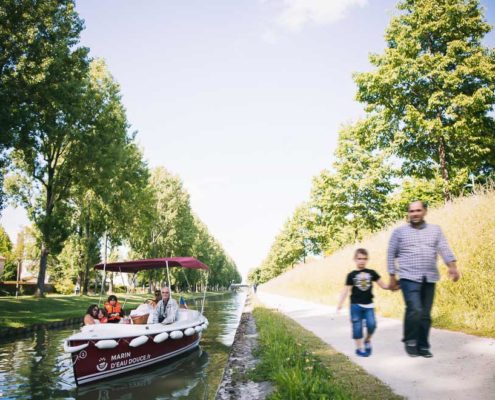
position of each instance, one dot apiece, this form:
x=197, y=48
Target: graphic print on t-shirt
x=362, y=281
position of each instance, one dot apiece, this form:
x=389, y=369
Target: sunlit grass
x=301, y=366
x=468, y=223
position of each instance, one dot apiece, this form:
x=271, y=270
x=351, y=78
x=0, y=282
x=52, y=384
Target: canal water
x=36, y=367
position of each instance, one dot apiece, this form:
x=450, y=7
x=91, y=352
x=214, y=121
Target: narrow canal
x=36, y=367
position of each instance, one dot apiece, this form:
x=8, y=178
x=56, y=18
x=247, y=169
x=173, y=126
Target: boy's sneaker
x=361, y=353
x=367, y=348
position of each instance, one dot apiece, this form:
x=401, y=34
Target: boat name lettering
x=120, y=356
x=123, y=363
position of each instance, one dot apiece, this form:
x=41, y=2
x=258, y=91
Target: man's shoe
x=425, y=353
x=361, y=353
x=412, y=350
x=367, y=348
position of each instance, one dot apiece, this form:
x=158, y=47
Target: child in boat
x=102, y=316
x=362, y=308
x=91, y=316
x=114, y=310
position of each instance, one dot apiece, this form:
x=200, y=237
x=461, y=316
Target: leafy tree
x=294, y=242
x=353, y=199
x=105, y=198
x=412, y=189
x=37, y=39
x=167, y=228
x=433, y=89
x=6, y=251
x=53, y=134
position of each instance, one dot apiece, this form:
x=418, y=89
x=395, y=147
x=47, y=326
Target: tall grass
x=301, y=366
x=468, y=305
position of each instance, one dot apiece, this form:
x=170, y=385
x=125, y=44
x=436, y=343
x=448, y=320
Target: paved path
x=463, y=366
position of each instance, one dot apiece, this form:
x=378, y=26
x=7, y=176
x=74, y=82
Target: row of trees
x=428, y=133
x=68, y=158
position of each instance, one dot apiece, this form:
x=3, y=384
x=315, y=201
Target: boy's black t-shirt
x=360, y=280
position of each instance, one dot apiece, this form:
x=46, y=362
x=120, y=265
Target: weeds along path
x=463, y=366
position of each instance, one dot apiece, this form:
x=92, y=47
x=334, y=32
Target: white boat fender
x=106, y=344
x=139, y=341
x=198, y=328
x=204, y=327
x=161, y=337
x=176, y=335
x=73, y=349
x=189, y=332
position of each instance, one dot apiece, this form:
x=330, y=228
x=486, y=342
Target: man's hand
x=454, y=272
x=393, y=284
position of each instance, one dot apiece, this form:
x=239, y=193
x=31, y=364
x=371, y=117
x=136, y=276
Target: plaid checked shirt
x=415, y=250
x=169, y=312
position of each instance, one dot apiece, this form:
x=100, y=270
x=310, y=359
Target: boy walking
x=360, y=282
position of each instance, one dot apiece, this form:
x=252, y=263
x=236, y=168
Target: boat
x=182, y=377
x=105, y=350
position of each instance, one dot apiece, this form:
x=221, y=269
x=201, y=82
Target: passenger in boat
x=166, y=310
x=114, y=310
x=102, y=316
x=91, y=316
x=154, y=302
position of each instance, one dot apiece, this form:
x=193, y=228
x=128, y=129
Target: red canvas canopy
x=152, y=263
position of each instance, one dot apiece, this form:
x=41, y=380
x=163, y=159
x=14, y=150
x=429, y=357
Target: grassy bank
x=468, y=223
x=27, y=310
x=301, y=366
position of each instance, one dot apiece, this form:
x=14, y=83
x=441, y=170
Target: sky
x=242, y=99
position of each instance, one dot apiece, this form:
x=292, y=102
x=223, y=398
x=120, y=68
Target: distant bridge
x=237, y=286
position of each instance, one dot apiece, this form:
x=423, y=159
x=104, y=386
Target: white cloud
x=297, y=13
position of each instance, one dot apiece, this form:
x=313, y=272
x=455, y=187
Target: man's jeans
x=359, y=313
x=418, y=297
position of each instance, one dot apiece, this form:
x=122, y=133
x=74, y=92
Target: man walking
x=412, y=252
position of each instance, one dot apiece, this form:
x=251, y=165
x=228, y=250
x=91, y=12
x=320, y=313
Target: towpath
x=463, y=366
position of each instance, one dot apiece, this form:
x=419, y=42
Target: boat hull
x=92, y=364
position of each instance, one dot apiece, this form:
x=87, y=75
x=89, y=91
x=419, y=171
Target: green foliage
x=429, y=130
x=51, y=127
x=468, y=224
x=6, y=251
x=105, y=198
x=296, y=372
x=346, y=203
x=168, y=228
x=433, y=90
x=353, y=199
x=303, y=367
x=72, y=163
x=295, y=241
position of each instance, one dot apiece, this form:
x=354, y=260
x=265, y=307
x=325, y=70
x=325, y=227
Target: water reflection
x=35, y=367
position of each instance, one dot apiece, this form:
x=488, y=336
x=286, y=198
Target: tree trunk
x=87, y=261
x=40, y=289
x=40, y=286
x=81, y=274
x=443, y=169
x=110, y=286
